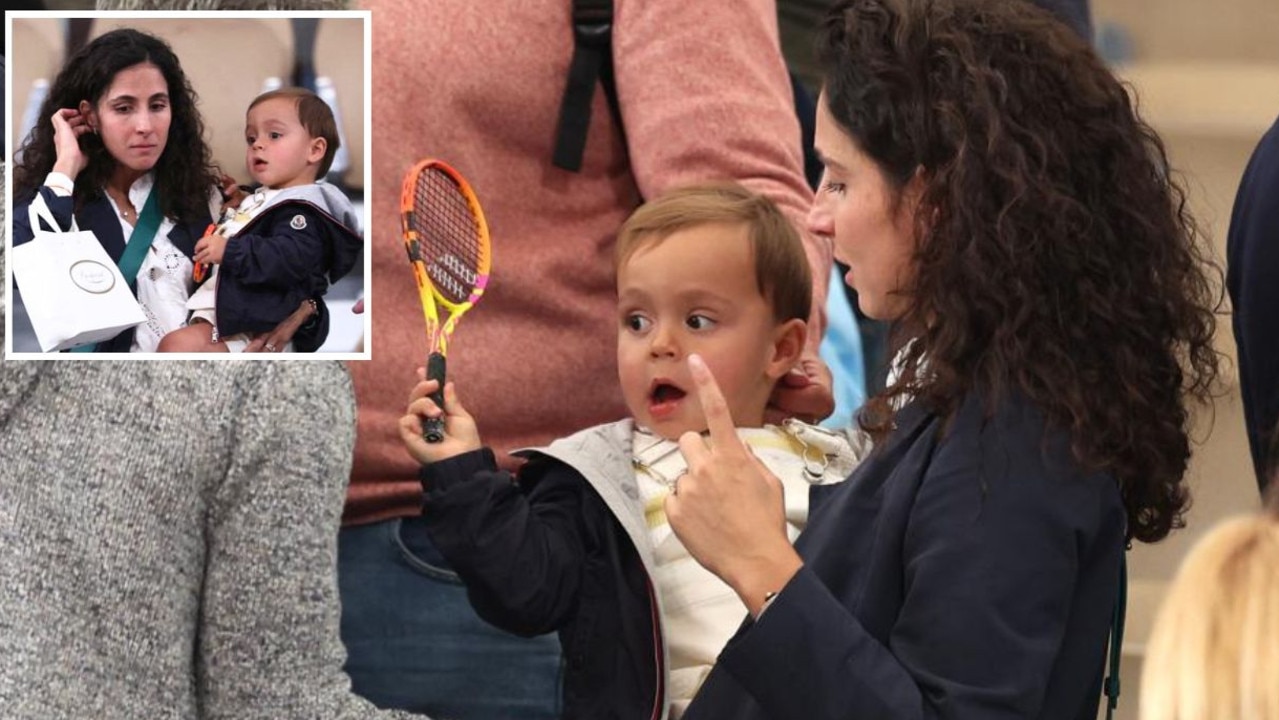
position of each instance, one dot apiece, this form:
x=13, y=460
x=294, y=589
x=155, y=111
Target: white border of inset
x=366, y=318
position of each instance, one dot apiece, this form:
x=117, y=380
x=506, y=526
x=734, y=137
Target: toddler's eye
x=699, y=322
x=636, y=323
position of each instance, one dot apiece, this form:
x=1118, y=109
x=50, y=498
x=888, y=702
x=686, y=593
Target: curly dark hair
x=184, y=171
x=1055, y=254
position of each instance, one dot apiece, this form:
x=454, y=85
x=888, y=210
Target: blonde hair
x=781, y=266
x=1214, y=650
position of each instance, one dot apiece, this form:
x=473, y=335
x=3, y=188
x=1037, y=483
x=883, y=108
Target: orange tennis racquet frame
x=202, y=270
x=442, y=221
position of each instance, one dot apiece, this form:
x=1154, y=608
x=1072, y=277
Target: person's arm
x=60, y=207
x=1252, y=259
x=307, y=326
x=520, y=555
x=742, y=126
x=991, y=562
x=68, y=126
x=990, y=558
x=268, y=644
x=983, y=616
x=696, y=109
x=519, y=550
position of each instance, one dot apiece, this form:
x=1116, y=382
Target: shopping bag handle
x=39, y=210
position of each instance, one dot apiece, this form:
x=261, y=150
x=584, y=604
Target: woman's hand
x=805, y=392
x=210, y=249
x=68, y=125
x=275, y=340
x=232, y=195
x=728, y=509
x=461, y=435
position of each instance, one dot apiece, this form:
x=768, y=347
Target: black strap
x=304, y=31
x=592, y=62
x=1117, y=639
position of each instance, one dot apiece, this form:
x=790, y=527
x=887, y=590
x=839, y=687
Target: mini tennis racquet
x=447, y=240
x=202, y=270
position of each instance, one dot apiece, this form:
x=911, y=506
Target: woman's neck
x=123, y=178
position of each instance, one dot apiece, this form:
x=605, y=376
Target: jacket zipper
x=657, y=649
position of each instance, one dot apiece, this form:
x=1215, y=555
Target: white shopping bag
x=73, y=292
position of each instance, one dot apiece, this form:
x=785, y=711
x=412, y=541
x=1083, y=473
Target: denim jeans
x=414, y=643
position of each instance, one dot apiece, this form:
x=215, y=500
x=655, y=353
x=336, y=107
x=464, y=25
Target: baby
x=279, y=247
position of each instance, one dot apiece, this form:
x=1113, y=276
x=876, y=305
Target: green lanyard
x=135, y=251
x=1117, y=639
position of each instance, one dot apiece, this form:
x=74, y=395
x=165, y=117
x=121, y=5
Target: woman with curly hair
x=122, y=121
x=999, y=201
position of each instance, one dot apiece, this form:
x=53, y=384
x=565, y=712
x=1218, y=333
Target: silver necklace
x=125, y=205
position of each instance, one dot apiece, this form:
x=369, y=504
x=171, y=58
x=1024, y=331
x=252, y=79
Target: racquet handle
x=201, y=270
x=433, y=428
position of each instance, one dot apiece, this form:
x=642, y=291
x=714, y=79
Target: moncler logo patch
x=298, y=222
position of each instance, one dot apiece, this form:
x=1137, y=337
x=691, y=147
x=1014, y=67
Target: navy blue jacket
x=965, y=576
x=288, y=253
x=1252, y=258
x=547, y=554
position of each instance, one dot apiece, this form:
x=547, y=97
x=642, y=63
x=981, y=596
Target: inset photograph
x=187, y=185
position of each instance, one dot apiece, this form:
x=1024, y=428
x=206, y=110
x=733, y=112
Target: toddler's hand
x=210, y=249
x=460, y=432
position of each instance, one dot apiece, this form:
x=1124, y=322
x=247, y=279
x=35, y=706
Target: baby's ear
x=788, y=346
x=318, y=147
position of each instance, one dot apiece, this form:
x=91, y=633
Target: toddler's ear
x=788, y=346
x=318, y=147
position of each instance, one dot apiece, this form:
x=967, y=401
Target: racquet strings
x=449, y=235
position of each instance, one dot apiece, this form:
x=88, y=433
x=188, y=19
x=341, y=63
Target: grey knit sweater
x=168, y=536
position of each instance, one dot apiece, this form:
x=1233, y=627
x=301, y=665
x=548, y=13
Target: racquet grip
x=433, y=428
x=201, y=270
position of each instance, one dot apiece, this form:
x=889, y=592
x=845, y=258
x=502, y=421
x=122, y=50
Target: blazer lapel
x=98, y=216
x=184, y=236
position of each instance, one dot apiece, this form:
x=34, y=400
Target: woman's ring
x=270, y=347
